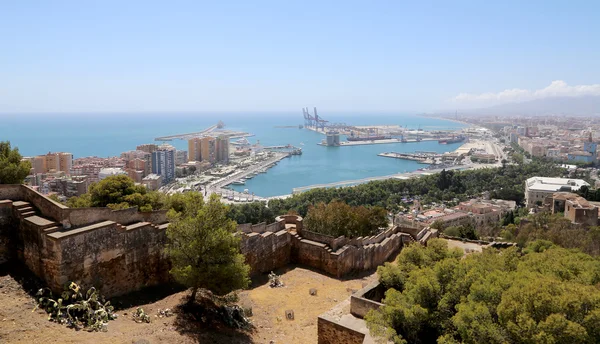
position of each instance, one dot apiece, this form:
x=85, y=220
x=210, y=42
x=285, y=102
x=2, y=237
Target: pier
x=420, y=157
x=219, y=185
x=215, y=130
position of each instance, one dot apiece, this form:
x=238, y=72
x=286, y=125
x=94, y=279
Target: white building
x=538, y=188
x=112, y=171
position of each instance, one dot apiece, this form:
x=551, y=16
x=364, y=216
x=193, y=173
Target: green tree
x=338, y=218
x=545, y=294
x=203, y=249
x=119, y=192
x=12, y=169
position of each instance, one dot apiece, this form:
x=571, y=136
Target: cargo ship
x=456, y=139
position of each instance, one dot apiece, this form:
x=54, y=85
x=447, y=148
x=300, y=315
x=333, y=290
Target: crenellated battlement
x=268, y=247
x=120, y=251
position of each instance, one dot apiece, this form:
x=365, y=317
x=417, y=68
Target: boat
x=238, y=182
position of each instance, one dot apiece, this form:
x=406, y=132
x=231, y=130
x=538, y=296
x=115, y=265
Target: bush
x=91, y=312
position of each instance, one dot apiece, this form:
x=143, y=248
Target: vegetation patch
x=338, y=218
x=543, y=294
x=89, y=311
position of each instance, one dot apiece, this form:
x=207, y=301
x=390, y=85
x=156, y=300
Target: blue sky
x=70, y=56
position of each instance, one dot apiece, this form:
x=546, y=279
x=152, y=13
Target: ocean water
x=110, y=134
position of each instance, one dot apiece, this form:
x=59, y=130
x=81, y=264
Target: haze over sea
x=110, y=134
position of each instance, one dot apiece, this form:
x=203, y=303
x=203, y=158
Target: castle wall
x=115, y=258
x=121, y=251
x=331, y=332
x=265, y=252
x=6, y=231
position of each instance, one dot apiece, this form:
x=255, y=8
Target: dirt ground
x=18, y=324
x=467, y=247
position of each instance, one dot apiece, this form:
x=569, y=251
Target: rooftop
x=554, y=184
x=151, y=177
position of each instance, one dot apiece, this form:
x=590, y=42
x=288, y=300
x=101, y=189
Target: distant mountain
x=572, y=106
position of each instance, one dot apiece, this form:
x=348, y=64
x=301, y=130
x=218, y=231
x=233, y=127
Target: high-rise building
x=163, y=163
x=181, y=157
x=209, y=149
x=195, y=149
x=148, y=148
x=223, y=149
x=53, y=162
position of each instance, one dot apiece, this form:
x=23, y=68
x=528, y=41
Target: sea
x=109, y=134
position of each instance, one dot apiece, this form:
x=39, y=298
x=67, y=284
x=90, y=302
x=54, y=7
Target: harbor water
x=110, y=134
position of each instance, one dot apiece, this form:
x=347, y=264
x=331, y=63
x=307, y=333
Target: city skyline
x=270, y=56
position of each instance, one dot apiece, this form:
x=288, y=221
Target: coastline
x=469, y=125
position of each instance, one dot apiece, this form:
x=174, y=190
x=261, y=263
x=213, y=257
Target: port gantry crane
x=309, y=120
x=314, y=121
x=319, y=122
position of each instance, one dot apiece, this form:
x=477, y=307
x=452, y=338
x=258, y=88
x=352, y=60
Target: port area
x=428, y=158
x=239, y=177
x=215, y=131
x=375, y=142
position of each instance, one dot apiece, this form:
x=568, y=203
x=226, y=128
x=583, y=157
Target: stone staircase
x=24, y=211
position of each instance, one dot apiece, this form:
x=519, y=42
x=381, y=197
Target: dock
x=376, y=142
x=420, y=157
x=215, y=131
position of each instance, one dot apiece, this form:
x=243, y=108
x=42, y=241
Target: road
x=218, y=185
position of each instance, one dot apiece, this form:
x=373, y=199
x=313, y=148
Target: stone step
x=21, y=204
x=27, y=214
x=52, y=229
x=25, y=209
x=40, y=222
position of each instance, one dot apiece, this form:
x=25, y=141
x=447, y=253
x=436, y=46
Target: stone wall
x=59, y=244
x=6, y=232
x=331, y=332
x=45, y=206
x=114, y=257
x=266, y=251
x=362, y=301
x=121, y=251
x=83, y=216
